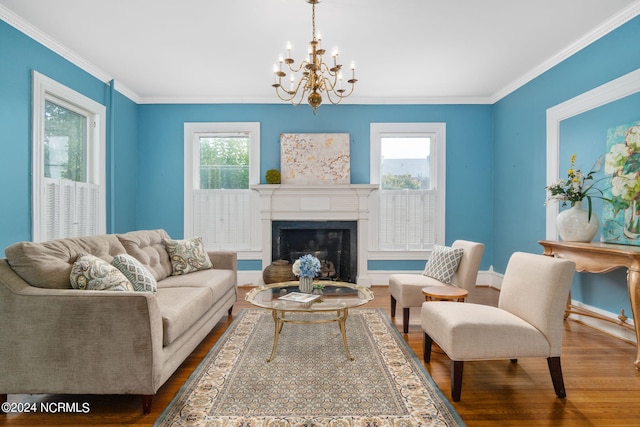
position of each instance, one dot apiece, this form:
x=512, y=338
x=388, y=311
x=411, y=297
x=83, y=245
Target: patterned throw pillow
x=443, y=263
x=187, y=256
x=141, y=279
x=92, y=273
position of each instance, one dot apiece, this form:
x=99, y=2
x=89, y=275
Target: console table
x=598, y=257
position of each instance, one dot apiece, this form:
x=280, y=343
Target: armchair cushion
x=478, y=332
x=443, y=263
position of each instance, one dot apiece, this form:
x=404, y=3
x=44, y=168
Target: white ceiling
x=409, y=51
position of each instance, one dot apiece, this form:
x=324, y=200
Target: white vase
x=574, y=225
x=306, y=285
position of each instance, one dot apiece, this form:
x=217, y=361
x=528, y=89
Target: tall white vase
x=574, y=226
x=306, y=285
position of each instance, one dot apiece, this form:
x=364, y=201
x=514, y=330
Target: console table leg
x=633, y=282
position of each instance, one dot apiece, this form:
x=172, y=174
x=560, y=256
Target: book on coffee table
x=299, y=297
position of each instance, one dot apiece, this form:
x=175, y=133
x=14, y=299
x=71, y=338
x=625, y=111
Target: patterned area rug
x=310, y=382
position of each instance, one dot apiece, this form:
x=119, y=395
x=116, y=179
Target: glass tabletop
x=284, y=296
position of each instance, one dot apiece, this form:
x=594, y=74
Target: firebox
x=334, y=243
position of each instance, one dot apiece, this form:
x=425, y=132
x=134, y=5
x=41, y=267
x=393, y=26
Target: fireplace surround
x=318, y=203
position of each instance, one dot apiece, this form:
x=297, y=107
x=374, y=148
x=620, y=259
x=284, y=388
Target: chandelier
x=315, y=76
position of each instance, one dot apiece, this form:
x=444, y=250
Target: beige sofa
x=59, y=340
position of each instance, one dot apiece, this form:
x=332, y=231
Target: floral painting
x=315, y=158
x=621, y=214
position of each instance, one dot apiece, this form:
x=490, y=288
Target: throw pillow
x=92, y=273
x=443, y=263
x=187, y=256
x=141, y=279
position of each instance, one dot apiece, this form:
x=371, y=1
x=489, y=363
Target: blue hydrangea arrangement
x=306, y=266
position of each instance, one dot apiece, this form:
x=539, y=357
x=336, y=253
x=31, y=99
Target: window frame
x=47, y=89
x=437, y=132
x=192, y=131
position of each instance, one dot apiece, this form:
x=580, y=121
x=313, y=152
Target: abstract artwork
x=315, y=158
x=621, y=210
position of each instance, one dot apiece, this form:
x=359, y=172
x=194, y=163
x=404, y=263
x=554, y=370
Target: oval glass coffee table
x=284, y=299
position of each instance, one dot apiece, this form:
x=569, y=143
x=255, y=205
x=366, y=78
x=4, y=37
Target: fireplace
x=334, y=243
x=319, y=206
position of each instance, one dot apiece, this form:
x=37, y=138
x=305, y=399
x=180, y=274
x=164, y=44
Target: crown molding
x=350, y=101
x=47, y=41
x=616, y=21
x=50, y=43
x=31, y=31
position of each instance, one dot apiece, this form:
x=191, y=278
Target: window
x=69, y=185
x=407, y=161
x=221, y=163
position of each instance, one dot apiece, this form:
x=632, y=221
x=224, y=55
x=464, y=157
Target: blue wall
x=520, y=153
x=19, y=55
x=469, y=140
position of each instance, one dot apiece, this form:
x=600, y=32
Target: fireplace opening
x=334, y=243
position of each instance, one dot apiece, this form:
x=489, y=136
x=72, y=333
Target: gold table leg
x=277, y=322
x=342, y=318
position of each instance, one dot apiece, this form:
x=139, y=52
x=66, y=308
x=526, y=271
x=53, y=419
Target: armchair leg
x=426, y=347
x=147, y=401
x=456, y=379
x=393, y=306
x=405, y=320
x=556, y=376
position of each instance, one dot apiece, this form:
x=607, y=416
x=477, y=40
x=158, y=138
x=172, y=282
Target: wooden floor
x=603, y=387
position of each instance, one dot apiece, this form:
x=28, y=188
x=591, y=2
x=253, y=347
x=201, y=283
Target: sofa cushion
x=92, y=273
x=218, y=281
x=181, y=308
x=146, y=246
x=187, y=256
x=48, y=264
x=141, y=279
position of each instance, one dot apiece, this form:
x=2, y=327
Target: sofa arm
x=71, y=341
x=224, y=259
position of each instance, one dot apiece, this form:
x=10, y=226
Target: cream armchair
x=406, y=289
x=528, y=321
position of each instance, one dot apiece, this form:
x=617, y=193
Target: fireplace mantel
x=348, y=202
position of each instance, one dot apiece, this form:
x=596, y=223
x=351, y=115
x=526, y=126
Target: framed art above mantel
x=315, y=158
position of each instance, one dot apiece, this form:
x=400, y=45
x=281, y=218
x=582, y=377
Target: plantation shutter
x=223, y=218
x=406, y=219
x=70, y=208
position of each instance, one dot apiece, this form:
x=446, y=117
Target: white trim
x=50, y=43
x=601, y=95
x=442, y=100
x=603, y=29
x=43, y=87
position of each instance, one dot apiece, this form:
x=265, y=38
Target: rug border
x=391, y=325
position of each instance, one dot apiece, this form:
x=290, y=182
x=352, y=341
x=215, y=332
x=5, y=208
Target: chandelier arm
x=335, y=97
x=291, y=93
x=303, y=64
